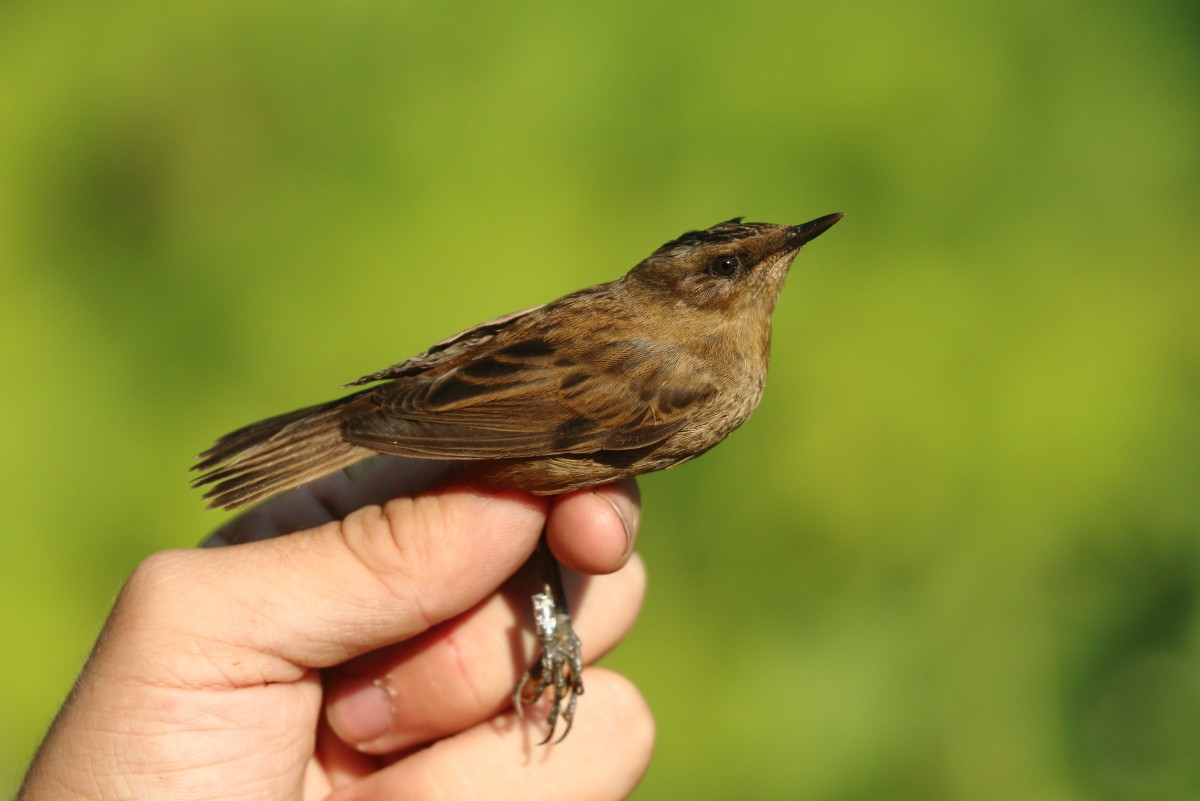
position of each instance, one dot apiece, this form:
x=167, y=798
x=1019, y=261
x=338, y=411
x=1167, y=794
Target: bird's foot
x=560, y=665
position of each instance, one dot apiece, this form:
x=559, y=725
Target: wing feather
x=446, y=350
x=534, y=397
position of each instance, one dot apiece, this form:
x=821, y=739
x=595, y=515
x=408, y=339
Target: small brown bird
x=619, y=379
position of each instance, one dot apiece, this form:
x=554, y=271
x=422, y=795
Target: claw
x=560, y=665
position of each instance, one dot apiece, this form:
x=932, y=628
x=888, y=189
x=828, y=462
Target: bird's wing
x=446, y=350
x=527, y=396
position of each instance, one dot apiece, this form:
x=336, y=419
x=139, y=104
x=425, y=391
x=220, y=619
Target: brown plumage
x=619, y=379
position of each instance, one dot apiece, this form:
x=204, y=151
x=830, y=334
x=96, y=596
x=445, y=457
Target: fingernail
x=363, y=714
x=627, y=510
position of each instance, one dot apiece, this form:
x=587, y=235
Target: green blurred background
x=956, y=554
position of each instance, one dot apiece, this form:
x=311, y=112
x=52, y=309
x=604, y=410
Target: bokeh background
x=956, y=554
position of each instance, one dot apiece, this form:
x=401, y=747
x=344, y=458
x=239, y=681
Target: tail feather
x=276, y=454
x=254, y=434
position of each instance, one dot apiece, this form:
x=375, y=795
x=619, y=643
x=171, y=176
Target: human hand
x=368, y=656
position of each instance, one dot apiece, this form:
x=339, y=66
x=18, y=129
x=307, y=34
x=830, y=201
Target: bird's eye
x=724, y=266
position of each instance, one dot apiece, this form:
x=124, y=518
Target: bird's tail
x=276, y=454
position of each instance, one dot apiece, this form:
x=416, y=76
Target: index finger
x=594, y=530
x=591, y=531
x=332, y=497
x=322, y=596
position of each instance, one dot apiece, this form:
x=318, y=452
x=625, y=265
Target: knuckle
x=152, y=581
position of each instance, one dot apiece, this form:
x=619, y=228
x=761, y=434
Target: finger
x=320, y=597
x=605, y=756
x=463, y=672
x=374, y=481
x=594, y=530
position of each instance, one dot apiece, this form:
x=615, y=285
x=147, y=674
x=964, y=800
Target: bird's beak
x=801, y=234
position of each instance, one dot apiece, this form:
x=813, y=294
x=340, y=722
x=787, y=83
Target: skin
x=322, y=665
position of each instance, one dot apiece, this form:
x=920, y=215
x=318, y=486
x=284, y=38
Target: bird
x=638, y=374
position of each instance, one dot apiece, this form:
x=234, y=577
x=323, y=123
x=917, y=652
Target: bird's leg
x=561, y=662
